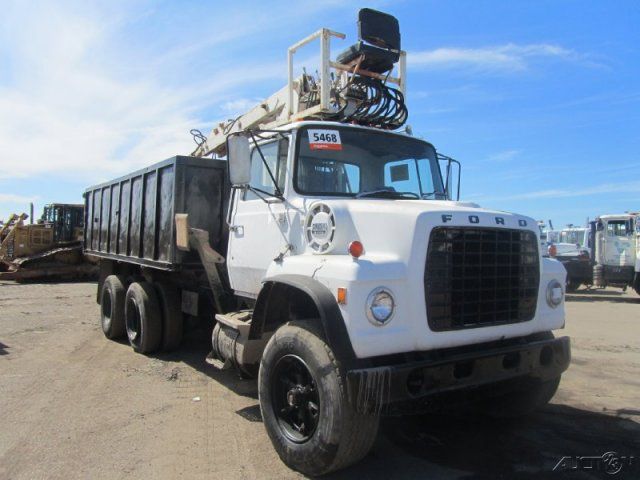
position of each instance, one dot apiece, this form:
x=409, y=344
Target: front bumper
x=577, y=269
x=615, y=275
x=373, y=388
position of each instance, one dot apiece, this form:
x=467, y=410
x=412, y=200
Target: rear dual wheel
x=171, y=310
x=143, y=317
x=143, y=312
x=112, y=298
x=153, y=317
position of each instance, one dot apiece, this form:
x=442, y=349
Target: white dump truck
x=335, y=261
x=616, y=252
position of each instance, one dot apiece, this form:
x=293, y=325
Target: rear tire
x=171, y=309
x=142, y=318
x=304, y=403
x=112, y=299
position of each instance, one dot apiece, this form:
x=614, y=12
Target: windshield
x=359, y=163
x=572, y=236
x=617, y=228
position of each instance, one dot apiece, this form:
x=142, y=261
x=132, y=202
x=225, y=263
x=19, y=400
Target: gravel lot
x=74, y=405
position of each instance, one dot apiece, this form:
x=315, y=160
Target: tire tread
x=358, y=431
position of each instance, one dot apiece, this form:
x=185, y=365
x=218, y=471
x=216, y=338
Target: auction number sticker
x=324, y=140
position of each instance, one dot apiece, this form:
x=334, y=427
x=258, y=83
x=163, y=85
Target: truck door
x=618, y=249
x=259, y=224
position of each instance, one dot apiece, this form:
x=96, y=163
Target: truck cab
x=573, y=239
x=616, y=250
x=367, y=212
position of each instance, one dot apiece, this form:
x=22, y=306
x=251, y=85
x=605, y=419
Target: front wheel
x=304, y=403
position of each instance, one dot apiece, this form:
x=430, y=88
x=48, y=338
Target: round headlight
x=380, y=306
x=555, y=293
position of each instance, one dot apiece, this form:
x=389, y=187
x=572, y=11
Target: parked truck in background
x=616, y=251
x=335, y=261
x=571, y=246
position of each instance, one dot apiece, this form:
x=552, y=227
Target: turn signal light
x=342, y=296
x=356, y=249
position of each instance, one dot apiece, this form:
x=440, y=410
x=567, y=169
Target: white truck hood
x=382, y=223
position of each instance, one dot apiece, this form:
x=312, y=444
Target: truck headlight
x=555, y=293
x=380, y=306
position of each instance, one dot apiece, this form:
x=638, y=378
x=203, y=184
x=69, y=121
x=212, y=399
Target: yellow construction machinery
x=50, y=248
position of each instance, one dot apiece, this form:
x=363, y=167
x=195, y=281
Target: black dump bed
x=131, y=219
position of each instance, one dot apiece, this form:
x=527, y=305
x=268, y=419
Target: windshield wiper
x=432, y=195
x=389, y=193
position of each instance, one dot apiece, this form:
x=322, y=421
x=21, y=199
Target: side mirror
x=239, y=159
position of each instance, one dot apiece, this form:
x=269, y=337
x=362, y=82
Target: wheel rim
x=295, y=398
x=132, y=318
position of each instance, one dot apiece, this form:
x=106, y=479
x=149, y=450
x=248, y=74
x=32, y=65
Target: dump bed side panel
x=130, y=219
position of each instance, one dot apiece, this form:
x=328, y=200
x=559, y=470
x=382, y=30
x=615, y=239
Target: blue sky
x=540, y=101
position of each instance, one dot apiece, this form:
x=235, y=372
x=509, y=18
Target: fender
x=329, y=313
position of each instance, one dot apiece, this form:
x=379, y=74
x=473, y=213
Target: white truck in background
x=334, y=261
x=616, y=251
x=571, y=246
x=571, y=239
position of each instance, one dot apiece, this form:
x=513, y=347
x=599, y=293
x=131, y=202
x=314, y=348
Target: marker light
x=356, y=249
x=342, y=295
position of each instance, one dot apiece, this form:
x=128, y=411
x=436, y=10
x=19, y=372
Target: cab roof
x=618, y=216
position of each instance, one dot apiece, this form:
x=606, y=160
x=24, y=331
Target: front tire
x=142, y=317
x=304, y=403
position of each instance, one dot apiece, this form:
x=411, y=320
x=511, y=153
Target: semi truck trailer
x=332, y=255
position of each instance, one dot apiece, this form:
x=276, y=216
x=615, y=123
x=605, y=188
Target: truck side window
x=275, y=153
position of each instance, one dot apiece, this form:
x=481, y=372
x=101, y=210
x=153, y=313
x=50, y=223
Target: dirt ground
x=75, y=405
